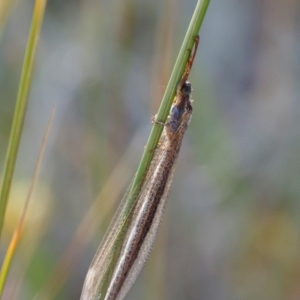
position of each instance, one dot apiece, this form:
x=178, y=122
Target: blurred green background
x=232, y=225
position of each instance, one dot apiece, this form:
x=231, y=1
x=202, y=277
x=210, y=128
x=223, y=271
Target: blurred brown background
x=232, y=226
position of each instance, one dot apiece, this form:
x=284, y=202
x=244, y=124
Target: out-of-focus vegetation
x=231, y=229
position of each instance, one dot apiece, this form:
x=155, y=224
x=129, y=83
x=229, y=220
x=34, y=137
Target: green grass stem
x=21, y=106
x=168, y=97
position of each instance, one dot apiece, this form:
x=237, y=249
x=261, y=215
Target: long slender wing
x=106, y=253
x=147, y=245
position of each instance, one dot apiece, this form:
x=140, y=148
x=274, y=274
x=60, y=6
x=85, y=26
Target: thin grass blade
x=21, y=106
x=17, y=233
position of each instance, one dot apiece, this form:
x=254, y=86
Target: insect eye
x=186, y=88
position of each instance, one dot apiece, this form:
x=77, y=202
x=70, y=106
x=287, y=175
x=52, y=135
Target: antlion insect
x=130, y=236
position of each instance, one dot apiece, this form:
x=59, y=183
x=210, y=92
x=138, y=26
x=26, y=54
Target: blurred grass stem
x=18, y=230
x=21, y=106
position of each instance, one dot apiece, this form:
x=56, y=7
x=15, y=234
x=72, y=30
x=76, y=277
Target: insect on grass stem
x=131, y=234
